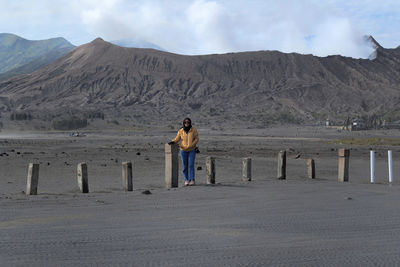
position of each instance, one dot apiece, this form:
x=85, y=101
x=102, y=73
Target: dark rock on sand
x=146, y=192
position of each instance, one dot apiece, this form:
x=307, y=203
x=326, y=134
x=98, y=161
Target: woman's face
x=187, y=123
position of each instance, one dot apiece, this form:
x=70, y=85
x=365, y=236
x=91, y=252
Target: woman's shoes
x=189, y=183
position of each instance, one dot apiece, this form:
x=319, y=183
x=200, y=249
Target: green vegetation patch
x=368, y=141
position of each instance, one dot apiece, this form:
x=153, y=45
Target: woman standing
x=189, y=137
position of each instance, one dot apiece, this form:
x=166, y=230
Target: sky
x=193, y=27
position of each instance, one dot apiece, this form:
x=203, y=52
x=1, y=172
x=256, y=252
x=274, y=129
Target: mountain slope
x=16, y=53
x=238, y=88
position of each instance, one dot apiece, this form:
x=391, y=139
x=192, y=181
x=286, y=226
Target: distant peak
x=8, y=34
x=98, y=40
x=373, y=41
x=58, y=38
x=11, y=36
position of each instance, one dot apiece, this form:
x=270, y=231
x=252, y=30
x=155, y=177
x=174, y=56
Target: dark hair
x=187, y=129
x=187, y=119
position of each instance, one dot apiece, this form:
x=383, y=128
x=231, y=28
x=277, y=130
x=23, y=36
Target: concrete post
x=83, y=182
x=282, y=165
x=210, y=170
x=390, y=164
x=33, y=179
x=343, y=171
x=246, y=174
x=372, y=165
x=127, y=176
x=311, y=168
x=171, y=165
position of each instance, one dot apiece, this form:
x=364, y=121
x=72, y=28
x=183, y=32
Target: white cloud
x=213, y=26
x=210, y=26
x=378, y=18
x=204, y=26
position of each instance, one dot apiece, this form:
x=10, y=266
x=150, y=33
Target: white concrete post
x=311, y=168
x=210, y=170
x=33, y=179
x=83, y=177
x=127, y=176
x=282, y=165
x=343, y=173
x=246, y=171
x=171, y=165
x=372, y=165
x=390, y=162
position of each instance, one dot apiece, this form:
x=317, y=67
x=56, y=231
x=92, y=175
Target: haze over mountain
x=136, y=43
x=250, y=88
x=19, y=56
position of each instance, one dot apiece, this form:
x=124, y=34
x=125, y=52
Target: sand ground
x=294, y=222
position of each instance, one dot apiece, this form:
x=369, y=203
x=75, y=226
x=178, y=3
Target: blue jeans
x=188, y=159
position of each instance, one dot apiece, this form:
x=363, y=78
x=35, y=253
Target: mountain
x=236, y=89
x=18, y=55
x=136, y=43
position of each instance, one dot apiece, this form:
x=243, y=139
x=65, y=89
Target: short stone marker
x=282, y=165
x=343, y=170
x=311, y=168
x=127, y=176
x=171, y=165
x=33, y=179
x=246, y=174
x=83, y=182
x=210, y=170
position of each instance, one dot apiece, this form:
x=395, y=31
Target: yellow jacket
x=189, y=140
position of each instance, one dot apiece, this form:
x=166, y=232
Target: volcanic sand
x=297, y=221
